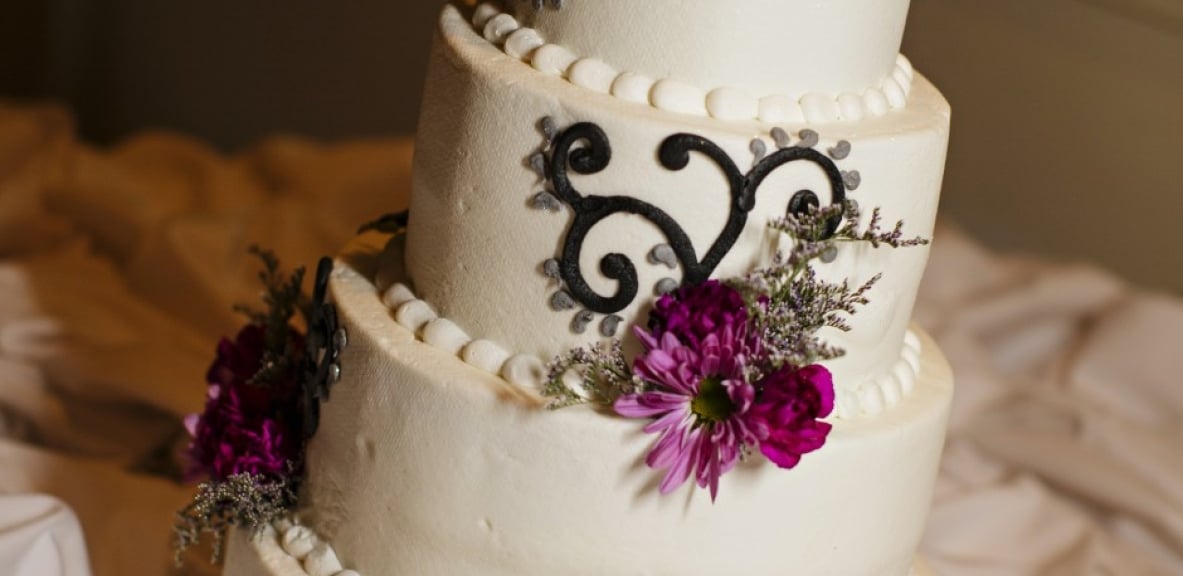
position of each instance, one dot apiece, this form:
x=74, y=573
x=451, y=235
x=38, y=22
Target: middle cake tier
x=547, y=215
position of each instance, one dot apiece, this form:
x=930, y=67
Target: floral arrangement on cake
x=731, y=368
x=261, y=407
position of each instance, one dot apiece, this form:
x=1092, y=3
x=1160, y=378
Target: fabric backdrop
x=119, y=269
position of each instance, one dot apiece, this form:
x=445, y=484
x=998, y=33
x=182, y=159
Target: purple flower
x=693, y=312
x=699, y=398
x=785, y=417
x=246, y=427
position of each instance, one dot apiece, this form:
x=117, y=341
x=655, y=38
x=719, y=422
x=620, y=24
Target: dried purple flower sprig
x=597, y=374
x=791, y=304
x=246, y=501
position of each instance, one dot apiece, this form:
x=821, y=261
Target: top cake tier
x=763, y=47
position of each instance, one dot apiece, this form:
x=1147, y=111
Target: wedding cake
x=645, y=315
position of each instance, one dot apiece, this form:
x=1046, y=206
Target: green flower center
x=712, y=404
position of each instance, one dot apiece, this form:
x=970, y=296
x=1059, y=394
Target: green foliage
x=282, y=297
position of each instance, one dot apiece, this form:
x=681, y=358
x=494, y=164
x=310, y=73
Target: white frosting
x=787, y=47
x=425, y=465
x=267, y=555
x=872, y=395
x=727, y=101
x=285, y=549
x=474, y=244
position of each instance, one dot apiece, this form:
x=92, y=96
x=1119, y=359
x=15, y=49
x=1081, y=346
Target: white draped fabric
x=119, y=269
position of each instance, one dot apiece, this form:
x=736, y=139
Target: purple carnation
x=246, y=427
x=786, y=415
x=693, y=312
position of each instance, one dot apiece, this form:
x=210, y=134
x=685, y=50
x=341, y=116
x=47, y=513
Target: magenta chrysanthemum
x=693, y=312
x=785, y=418
x=246, y=427
x=699, y=398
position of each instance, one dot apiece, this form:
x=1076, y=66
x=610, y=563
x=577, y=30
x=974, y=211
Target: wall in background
x=1066, y=136
x=225, y=70
x=1067, y=126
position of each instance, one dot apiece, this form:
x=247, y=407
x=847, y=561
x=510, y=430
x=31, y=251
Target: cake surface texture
x=579, y=165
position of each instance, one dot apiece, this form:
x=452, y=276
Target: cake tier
x=480, y=236
x=425, y=465
x=264, y=555
x=790, y=47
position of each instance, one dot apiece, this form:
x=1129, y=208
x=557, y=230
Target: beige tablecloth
x=119, y=269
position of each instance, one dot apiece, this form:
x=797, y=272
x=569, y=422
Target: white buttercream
x=678, y=97
x=523, y=43
x=780, y=110
x=479, y=193
x=499, y=27
x=266, y=554
x=553, y=59
x=415, y=314
x=397, y=295
x=299, y=541
x=732, y=104
x=483, y=13
x=485, y=355
x=445, y=335
x=525, y=371
x=728, y=102
x=632, y=87
x=762, y=46
x=322, y=561
x=593, y=74
x=458, y=470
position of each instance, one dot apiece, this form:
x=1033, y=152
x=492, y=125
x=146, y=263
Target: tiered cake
x=574, y=161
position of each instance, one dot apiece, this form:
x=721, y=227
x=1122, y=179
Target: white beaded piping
x=875, y=395
x=871, y=397
x=416, y=315
x=725, y=103
x=314, y=555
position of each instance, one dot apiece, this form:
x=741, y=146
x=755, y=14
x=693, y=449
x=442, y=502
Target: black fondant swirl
x=321, y=349
x=593, y=155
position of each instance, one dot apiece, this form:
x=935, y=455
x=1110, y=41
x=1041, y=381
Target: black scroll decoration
x=584, y=148
x=322, y=348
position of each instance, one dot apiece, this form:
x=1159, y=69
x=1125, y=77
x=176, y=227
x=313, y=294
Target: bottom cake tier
x=264, y=555
x=427, y=466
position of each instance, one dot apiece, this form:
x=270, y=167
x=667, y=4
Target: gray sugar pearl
x=609, y=325
x=830, y=254
x=561, y=301
x=852, y=180
x=781, y=137
x=340, y=339
x=550, y=269
x=663, y=254
x=808, y=137
x=665, y=286
x=545, y=201
x=334, y=372
x=549, y=130
x=841, y=150
x=759, y=149
x=582, y=319
x=538, y=164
